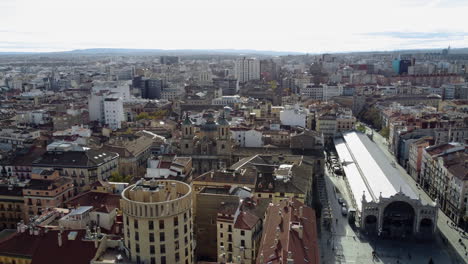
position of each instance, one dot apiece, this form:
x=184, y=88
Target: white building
x=312, y=91
x=294, y=116
x=247, y=69
x=332, y=91
x=118, y=88
x=228, y=100
x=113, y=112
x=246, y=137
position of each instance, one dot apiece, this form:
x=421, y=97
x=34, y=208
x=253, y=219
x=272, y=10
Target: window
x=176, y=221
x=177, y=257
x=185, y=240
x=185, y=229
x=137, y=248
x=229, y=228
x=151, y=237
x=186, y=252
x=163, y=259
x=152, y=249
x=137, y=236
x=161, y=224
x=177, y=246
x=242, y=243
x=162, y=249
x=135, y=223
x=161, y=236
x=151, y=225
x=221, y=225
x=242, y=233
x=176, y=233
x=220, y=234
x=153, y=260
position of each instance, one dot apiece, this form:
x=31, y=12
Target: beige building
x=134, y=151
x=47, y=189
x=239, y=230
x=158, y=222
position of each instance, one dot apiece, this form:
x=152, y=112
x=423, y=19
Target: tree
x=385, y=132
x=117, y=177
x=361, y=128
x=142, y=115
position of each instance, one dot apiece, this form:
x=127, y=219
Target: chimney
x=59, y=236
x=298, y=228
x=290, y=259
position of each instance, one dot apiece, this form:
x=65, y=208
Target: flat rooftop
x=368, y=170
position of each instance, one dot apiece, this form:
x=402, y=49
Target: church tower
x=186, y=143
x=224, y=145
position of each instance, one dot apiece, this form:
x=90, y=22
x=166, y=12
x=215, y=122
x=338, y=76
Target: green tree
x=142, y=115
x=361, y=128
x=117, y=177
x=385, y=132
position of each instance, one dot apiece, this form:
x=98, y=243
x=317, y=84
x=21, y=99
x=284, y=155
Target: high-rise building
x=168, y=60
x=158, y=222
x=247, y=69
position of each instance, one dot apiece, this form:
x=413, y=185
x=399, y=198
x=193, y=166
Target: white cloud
x=294, y=25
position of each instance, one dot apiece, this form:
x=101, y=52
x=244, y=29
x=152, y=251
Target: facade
x=47, y=189
x=134, y=151
x=11, y=206
x=82, y=167
x=113, y=113
x=11, y=138
x=312, y=91
x=158, y=222
x=246, y=137
x=385, y=205
x=415, y=156
x=239, y=230
x=247, y=69
x=294, y=116
x=445, y=179
x=210, y=147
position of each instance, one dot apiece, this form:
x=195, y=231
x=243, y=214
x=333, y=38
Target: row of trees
x=158, y=115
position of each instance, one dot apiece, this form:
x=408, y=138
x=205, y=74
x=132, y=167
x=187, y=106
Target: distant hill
x=229, y=52
x=111, y=51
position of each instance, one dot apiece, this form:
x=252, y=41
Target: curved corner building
x=157, y=219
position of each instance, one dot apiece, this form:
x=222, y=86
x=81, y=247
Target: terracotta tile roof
x=282, y=234
x=43, y=248
x=19, y=245
x=246, y=221
x=95, y=199
x=75, y=251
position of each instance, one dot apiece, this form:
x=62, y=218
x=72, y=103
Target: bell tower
x=224, y=136
x=186, y=143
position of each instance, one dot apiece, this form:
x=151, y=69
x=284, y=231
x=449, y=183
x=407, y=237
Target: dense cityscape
x=111, y=156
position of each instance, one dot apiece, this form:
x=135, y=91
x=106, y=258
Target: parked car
x=344, y=210
x=341, y=200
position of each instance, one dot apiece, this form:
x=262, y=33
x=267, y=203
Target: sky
x=288, y=25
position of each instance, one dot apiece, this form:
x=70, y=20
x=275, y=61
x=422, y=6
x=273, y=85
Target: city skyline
x=301, y=26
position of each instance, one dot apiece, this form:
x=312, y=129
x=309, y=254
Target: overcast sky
x=286, y=25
